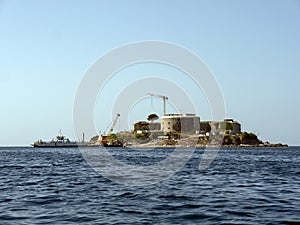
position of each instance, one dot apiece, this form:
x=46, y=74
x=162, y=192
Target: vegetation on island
x=152, y=117
x=244, y=139
x=143, y=136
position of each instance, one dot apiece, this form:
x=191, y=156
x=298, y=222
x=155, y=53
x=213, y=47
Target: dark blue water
x=241, y=186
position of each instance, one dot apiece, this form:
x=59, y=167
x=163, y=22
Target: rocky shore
x=243, y=139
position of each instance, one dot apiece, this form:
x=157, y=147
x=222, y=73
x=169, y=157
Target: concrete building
x=228, y=126
x=180, y=123
x=154, y=126
x=144, y=127
x=141, y=126
x=236, y=128
x=233, y=127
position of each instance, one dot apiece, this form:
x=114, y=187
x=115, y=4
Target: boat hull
x=62, y=145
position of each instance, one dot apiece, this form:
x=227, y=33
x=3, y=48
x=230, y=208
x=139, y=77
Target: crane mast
x=105, y=140
x=165, y=98
x=114, y=123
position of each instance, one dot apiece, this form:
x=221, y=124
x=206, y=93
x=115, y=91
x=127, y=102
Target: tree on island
x=152, y=117
x=94, y=139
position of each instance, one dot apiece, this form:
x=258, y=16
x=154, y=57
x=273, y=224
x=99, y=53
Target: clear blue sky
x=252, y=47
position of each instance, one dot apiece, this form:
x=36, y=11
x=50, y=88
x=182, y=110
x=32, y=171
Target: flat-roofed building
x=180, y=123
x=141, y=126
x=144, y=126
x=154, y=126
x=228, y=126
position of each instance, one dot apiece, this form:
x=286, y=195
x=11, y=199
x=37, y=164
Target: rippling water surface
x=241, y=186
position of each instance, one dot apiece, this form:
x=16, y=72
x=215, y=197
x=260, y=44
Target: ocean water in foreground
x=241, y=186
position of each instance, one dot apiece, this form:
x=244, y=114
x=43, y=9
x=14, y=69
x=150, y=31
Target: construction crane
x=106, y=139
x=114, y=123
x=165, y=98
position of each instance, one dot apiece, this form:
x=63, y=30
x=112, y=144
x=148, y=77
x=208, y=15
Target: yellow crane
x=105, y=140
x=114, y=123
x=165, y=98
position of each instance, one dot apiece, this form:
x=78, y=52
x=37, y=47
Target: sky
x=46, y=47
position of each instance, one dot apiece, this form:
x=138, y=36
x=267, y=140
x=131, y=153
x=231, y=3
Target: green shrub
x=113, y=137
x=173, y=135
x=142, y=136
x=246, y=135
x=94, y=139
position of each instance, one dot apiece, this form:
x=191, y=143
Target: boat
x=60, y=141
x=109, y=140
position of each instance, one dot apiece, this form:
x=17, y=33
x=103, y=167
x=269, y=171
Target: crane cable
x=152, y=103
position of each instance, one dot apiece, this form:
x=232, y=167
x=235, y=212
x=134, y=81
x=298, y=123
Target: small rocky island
x=186, y=130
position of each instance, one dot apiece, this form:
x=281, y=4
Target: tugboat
x=60, y=141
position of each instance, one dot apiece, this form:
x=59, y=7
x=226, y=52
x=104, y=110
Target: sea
x=240, y=186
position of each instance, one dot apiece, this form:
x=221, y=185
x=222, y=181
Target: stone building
x=180, y=123
x=154, y=126
x=144, y=127
x=228, y=126
x=141, y=126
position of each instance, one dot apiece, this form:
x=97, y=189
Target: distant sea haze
x=241, y=186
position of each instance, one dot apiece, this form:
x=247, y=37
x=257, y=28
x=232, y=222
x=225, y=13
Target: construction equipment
x=110, y=140
x=165, y=98
x=114, y=123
